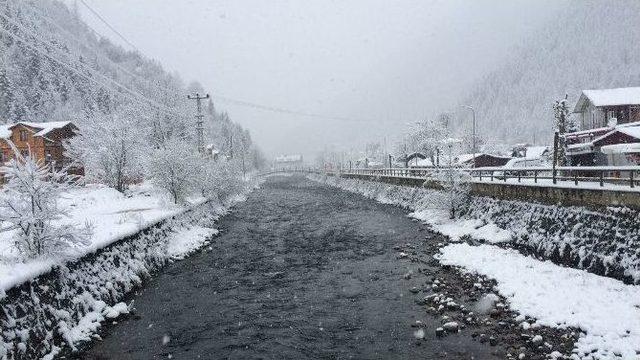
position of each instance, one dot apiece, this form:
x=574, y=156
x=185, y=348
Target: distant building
x=411, y=160
x=609, y=121
x=288, y=162
x=44, y=141
x=481, y=160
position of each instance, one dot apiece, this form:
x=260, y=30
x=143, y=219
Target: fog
x=366, y=67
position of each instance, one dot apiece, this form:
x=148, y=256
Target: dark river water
x=300, y=271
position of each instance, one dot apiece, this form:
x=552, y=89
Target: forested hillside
x=591, y=44
x=55, y=68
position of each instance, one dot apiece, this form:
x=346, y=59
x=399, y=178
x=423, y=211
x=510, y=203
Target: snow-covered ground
x=112, y=215
x=189, y=240
x=457, y=228
x=607, y=310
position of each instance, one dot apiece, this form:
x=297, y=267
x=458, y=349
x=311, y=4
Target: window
x=23, y=135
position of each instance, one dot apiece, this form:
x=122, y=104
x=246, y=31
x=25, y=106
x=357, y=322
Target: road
x=301, y=271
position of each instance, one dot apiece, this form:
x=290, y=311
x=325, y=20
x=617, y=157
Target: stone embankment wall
x=546, y=195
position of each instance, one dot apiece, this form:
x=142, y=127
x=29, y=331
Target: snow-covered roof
x=416, y=154
x=420, y=163
x=621, y=148
x=588, y=132
x=288, y=158
x=463, y=158
x=609, y=97
x=536, y=151
x=44, y=127
x=633, y=131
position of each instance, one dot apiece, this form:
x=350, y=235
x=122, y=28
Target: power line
x=231, y=100
x=284, y=110
x=109, y=25
x=222, y=98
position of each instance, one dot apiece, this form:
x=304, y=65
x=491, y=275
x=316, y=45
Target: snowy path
x=300, y=271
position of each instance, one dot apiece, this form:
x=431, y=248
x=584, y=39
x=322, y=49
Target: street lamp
x=473, y=111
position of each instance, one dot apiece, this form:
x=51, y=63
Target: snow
x=45, y=127
x=5, y=133
x=188, y=240
x=607, y=310
x=457, y=228
x=534, y=152
x=463, y=158
x=91, y=321
x=621, y=148
x=420, y=163
x=633, y=131
x=113, y=216
x=613, y=97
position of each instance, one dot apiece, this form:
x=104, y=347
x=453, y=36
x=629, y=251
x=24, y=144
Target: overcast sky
x=382, y=64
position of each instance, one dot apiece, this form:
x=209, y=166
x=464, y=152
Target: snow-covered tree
x=176, y=167
x=563, y=124
x=454, y=181
x=110, y=148
x=29, y=206
x=426, y=136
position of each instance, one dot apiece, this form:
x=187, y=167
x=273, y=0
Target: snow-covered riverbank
x=112, y=216
x=70, y=299
x=607, y=310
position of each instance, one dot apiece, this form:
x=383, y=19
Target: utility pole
x=199, y=121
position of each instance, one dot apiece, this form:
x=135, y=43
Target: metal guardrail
x=601, y=175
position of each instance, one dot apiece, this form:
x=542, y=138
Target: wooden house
x=608, y=107
x=44, y=141
x=609, y=119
